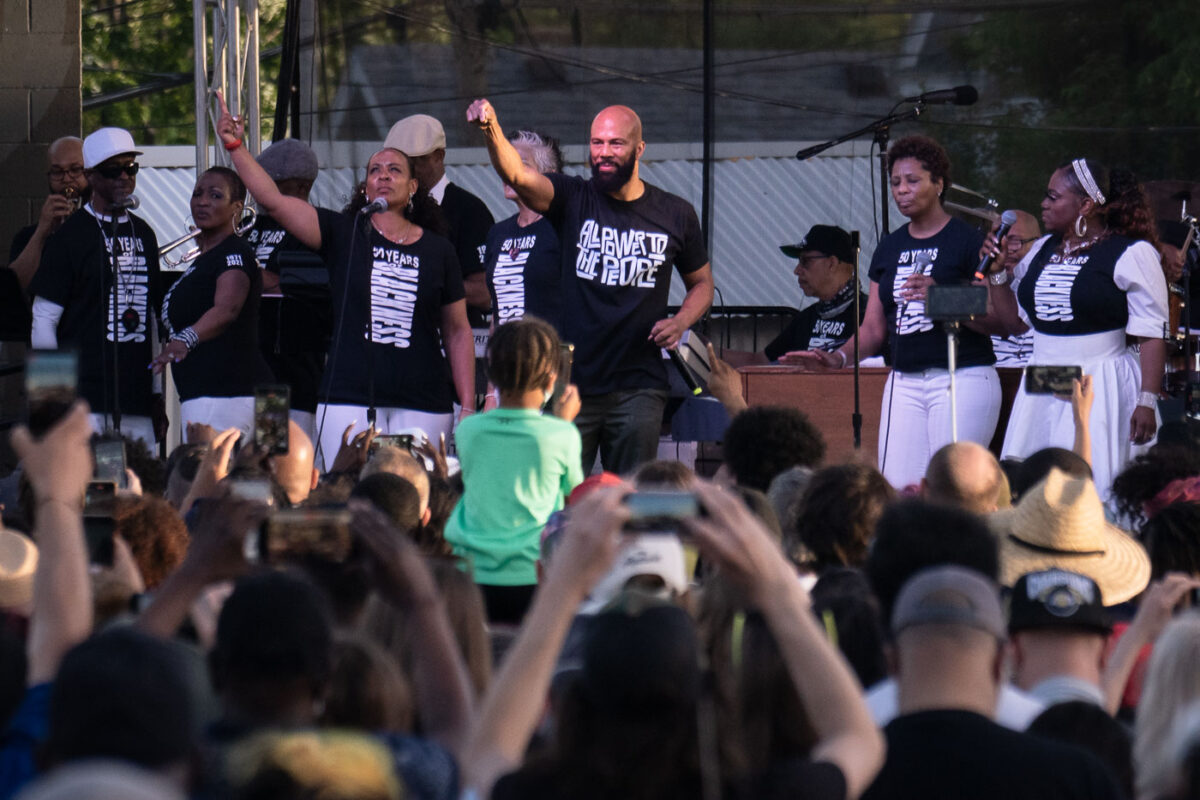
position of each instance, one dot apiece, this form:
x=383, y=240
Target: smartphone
x=566, y=360
x=403, y=441
x=255, y=489
x=51, y=379
x=1048, y=379
x=100, y=499
x=271, y=406
x=322, y=534
x=660, y=511
x=110, y=462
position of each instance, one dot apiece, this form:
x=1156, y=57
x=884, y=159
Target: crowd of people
x=367, y=613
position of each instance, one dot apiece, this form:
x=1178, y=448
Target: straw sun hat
x=1060, y=523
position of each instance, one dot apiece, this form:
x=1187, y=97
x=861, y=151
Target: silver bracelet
x=1000, y=278
x=188, y=336
x=1147, y=400
x=842, y=353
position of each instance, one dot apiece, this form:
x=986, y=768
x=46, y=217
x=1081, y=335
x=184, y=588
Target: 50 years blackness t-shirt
x=398, y=292
x=617, y=260
x=524, y=271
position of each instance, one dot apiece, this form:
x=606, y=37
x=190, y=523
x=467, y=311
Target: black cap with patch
x=828, y=239
x=1055, y=598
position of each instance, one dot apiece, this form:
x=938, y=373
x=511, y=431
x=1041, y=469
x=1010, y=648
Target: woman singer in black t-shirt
x=933, y=248
x=401, y=341
x=212, y=314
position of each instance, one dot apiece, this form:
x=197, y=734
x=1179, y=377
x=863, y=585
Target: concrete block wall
x=40, y=57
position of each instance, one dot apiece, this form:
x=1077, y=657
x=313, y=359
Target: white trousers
x=915, y=418
x=221, y=413
x=333, y=419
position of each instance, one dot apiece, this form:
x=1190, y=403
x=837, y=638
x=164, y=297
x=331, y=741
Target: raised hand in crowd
x=354, y=452
x=1082, y=396
x=725, y=383
x=58, y=466
x=435, y=455
x=568, y=404
x=212, y=469
x=516, y=699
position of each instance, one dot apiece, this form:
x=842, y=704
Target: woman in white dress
x=1094, y=292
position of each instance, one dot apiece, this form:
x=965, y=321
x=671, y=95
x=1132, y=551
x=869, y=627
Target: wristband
x=1000, y=278
x=841, y=353
x=1147, y=400
x=231, y=146
x=188, y=337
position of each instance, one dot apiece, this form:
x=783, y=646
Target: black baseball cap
x=828, y=239
x=1056, y=598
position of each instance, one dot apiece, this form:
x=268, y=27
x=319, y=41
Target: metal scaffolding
x=234, y=60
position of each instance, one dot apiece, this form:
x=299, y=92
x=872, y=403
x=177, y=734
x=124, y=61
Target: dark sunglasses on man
x=114, y=172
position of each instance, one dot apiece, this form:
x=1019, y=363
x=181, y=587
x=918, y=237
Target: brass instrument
x=244, y=226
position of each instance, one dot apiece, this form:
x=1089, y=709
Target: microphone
x=922, y=264
x=959, y=96
x=374, y=207
x=131, y=202
x=1007, y=220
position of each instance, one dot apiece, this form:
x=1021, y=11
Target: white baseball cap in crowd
x=104, y=143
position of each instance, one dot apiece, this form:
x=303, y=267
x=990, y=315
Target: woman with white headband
x=1094, y=293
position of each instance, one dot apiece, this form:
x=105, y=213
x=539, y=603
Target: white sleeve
x=1139, y=274
x=46, y=315
x=1019, y=272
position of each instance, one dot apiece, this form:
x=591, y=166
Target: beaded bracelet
x=189, y=338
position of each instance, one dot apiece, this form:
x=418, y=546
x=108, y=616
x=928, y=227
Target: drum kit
x=1170, y=200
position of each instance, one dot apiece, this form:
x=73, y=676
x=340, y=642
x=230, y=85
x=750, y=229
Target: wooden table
x=828, y=400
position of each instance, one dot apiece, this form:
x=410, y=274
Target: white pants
x=918, y=403
x=221, y=413
x=333, y=419
x=132, y=427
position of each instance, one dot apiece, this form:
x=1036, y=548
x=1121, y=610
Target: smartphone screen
x=256, y=490
x=566, y=359
x=403, y=441
x=1049, y=379
x=323, y=534
x=110, y=462
x=660, y=510
x=98, y=534
x=51, y=378
x=271, y=407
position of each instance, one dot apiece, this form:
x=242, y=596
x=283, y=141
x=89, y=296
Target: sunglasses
x=114, y=172
x=69, y=172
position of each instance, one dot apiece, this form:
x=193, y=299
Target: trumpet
x=245, y=225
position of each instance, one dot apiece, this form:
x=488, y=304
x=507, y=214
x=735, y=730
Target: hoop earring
x=1080, y=226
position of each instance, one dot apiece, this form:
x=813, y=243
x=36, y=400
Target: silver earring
x=1080, y=226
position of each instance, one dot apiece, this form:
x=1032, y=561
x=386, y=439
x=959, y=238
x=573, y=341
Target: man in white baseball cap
x=96, y=288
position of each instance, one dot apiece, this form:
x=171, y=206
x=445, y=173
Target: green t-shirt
x=518, y=466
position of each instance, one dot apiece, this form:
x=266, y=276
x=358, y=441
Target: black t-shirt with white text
x=617, y=260
x=229, y=365
x=399, y=291
x=949, y=257
x=294, y=328
x=469, y=220
x=1076, y=294
x=524, y=271
x=76, y=272
x=820, y=326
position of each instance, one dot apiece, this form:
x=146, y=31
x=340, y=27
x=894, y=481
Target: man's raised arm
x=535, y=189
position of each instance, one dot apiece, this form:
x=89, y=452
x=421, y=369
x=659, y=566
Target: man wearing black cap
x=1058, y=628
x=824, y=270
x=295, y=323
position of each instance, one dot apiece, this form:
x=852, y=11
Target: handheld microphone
x=374, y=207
x=960, y=96
x=131, y=202
x=1007, y=220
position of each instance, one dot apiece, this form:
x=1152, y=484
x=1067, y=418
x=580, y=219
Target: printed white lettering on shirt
x=508, y=278
x=393, y=296
x=1052, y=290
x=617, y=257
x=133, y=290
x=265, y=243
x=912, y=313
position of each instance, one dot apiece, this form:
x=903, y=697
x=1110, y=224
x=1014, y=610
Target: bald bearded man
x=627, y=235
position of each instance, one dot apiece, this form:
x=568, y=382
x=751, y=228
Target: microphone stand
x=881, y=128
x=856, y=417
x=115, y=264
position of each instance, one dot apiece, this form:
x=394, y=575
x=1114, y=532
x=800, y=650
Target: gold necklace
x=402, y=240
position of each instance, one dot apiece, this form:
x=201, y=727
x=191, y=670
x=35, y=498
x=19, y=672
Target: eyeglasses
x=114, y=172
x=1019, y=242
x=69, y=172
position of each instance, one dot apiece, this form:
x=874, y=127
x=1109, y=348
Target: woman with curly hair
x=1094, y=293
x=933, y=248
